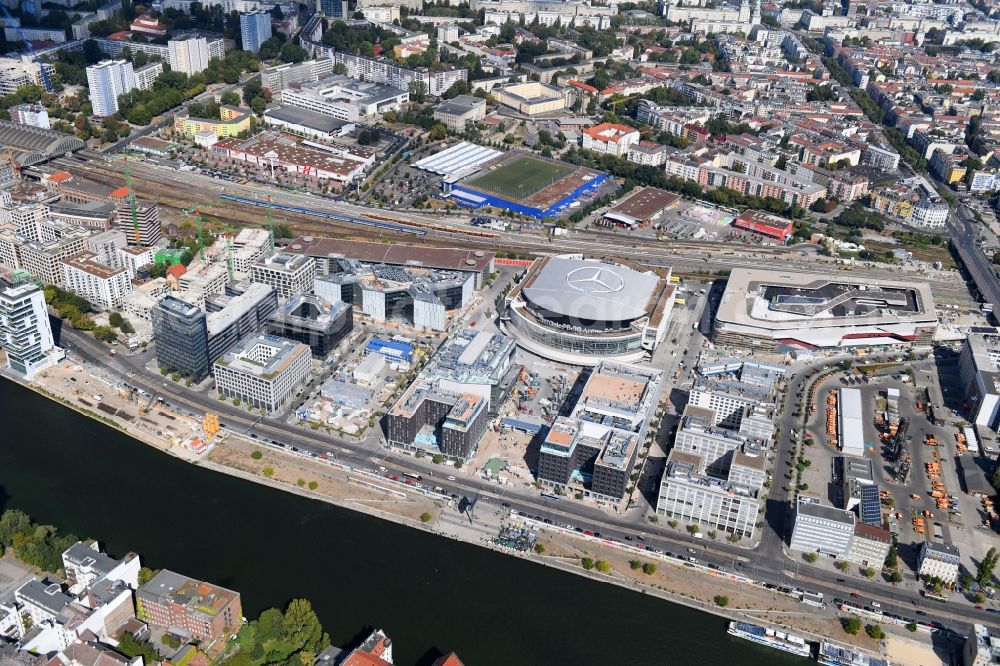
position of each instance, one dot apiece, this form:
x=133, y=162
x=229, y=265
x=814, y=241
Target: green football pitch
x=519, y=179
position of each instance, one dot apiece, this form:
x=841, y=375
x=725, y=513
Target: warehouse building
x=851, y=431
x=641, y=208
x=979, y=366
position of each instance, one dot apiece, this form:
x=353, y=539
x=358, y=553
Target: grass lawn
x=519, y=179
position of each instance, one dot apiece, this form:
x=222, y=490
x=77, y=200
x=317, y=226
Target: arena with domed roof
x=579, y=310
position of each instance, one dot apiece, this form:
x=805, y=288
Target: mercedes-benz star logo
x=594, y=280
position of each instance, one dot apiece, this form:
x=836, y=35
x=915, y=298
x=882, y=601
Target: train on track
x=387, y=226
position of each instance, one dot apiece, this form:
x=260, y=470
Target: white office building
x=822, y=529
x=689, y=494
x=939, y=560
x=288, y=274
x=25, y=332
x=263, y=372
x=344, y=98
x=107, y=80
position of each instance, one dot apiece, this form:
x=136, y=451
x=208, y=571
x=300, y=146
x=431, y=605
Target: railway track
x=182, y=191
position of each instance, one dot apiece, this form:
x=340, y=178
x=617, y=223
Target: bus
x=935, y=597
x=550, y=496
x=415, y=477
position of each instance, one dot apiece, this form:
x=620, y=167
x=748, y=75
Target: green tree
x=895, y=577
x=438, y=132
x=810, y=557
x=146, y=574
x=634, y=565
x=425, y=517
x=603, y=566
x=875, y=631
x=301, y=629
x=539, y=548
x=230, y=98
x=256, y=455
x=911, y=627
x=313, y=485
x=721, y=600
x=268, y=472
x=587, y=563
x=984, y=573
x=438, y=458
x=649, y=568
x=851, y=625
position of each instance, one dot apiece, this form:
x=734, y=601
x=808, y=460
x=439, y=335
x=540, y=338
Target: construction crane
x=270, y=224
x=229, y=251
x=133, y=206
x=46, y=83
x=131, y=203
x=201, y=237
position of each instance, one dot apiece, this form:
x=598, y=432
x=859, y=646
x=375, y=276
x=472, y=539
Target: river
x=430, y=594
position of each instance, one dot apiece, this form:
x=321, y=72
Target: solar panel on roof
x=871, y=510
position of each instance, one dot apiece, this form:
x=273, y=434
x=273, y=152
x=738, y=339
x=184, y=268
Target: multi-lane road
x=767, y=563
x=963, y=232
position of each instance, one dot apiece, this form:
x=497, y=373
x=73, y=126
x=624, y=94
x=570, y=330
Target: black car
x=920, y=612
x=506, y=505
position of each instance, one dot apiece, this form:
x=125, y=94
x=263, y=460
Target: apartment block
x=25, y=331
x=208, y=611
x=103, y=286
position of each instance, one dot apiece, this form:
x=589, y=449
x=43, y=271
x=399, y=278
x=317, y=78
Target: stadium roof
x=457, y=158
x=592, y=290
x=36, y=144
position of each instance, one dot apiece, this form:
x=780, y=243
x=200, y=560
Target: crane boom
x=131, y=203
x=270, y=224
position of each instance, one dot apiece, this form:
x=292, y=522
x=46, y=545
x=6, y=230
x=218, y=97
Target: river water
x=431, y=595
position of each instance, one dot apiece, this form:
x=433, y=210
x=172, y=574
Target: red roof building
x=450, y=659
x=763, y=224
x=176, y=271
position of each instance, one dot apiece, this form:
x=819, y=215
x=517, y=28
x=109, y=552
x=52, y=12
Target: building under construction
x=418, y=297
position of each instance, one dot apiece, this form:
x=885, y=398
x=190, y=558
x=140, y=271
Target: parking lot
x=928, y=503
